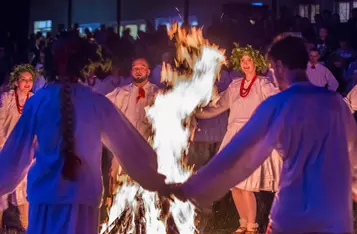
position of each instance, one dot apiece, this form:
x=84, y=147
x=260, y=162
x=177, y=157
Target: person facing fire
x=242, y=97
x=12, y=104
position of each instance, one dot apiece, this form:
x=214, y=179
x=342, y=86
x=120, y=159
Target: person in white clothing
x=132, y=100
x=11, y=107
x=242, y=98
x=316, y=141
x=318, y=74
x=70, y=122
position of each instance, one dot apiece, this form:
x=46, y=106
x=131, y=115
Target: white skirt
x=63, y=219
x=266, y=177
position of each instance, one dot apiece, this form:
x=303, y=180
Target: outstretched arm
x=221, y=106
x=132, y=151
x=16, y=155
x=238, y=160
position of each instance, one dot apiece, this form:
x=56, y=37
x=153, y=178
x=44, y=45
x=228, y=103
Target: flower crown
x=238, y=53
x=14, y=76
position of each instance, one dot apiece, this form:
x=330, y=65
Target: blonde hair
x=14, y=76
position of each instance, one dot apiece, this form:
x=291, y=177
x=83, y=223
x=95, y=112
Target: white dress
x=265, y=177
x=59, y=206
x=318, y=137
x=9, y=115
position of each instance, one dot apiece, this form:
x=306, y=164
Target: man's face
x=314, y=57
x=279, y=71
x=25, y=82
x=140, y=70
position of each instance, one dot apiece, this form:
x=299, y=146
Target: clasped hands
x=173, y=190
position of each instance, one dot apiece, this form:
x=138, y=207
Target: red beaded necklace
x=20, y=107
x=245, y=91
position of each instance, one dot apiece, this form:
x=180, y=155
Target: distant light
x=194, y=23
x=257, y=4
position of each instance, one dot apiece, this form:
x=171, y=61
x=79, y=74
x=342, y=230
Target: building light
x=257, y=4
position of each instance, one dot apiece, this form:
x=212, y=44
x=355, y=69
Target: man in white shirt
x=318, y=74
x=132, y=100
x=318, y=145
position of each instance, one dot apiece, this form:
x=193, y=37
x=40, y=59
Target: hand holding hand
x=173, y=190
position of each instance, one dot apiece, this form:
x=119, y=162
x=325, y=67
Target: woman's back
x=95, y=120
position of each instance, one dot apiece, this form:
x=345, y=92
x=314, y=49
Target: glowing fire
x=190, y=89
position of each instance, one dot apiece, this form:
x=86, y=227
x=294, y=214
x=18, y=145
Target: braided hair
x=68, y=59
x=73, y=56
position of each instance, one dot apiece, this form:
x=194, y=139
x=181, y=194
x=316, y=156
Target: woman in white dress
x=242, y=97
x=12, y=103
x=70, y=122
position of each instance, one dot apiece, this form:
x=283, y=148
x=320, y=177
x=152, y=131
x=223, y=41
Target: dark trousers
x=106, y=164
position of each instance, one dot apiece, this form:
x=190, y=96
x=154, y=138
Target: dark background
x=14, y=23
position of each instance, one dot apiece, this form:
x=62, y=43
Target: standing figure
x=318, y=74
x=242, y=98
x=70, y=122
x=133, y=98
x=12, y=103
x=316, y=140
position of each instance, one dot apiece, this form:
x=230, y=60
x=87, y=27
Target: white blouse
x=319, y=145
x=95, y=119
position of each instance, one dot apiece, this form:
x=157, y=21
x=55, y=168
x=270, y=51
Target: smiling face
x=25, y=82
x=247, y=64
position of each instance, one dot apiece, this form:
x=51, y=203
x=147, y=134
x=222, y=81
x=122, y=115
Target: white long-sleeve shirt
x=351, y=99
x=321, y=76
x=319, y=148
x=95, y=120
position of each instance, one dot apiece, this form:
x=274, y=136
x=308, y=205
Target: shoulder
x=235, y=83
x=112, y=95
x=5, y=97
x=153, y=87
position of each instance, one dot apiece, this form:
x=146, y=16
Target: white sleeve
x=17, y=154
x=134, y=154
x=3, y=113
x=221, y=106
x=332, y=83
x=351, y=99
x=239, y=159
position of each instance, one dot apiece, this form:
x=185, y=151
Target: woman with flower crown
x=70, y=123
x=12, y=103
x=242, y=97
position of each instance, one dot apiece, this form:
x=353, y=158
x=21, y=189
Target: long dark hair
x=69, y=61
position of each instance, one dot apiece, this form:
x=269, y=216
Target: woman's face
x=247, y=64
x=25, y=82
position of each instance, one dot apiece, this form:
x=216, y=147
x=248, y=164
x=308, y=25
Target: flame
x=191, y=88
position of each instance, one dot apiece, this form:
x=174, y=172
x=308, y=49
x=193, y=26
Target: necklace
x=245, y=91
x=20, y=107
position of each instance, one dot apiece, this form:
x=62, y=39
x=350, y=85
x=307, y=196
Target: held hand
x=173, y=190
